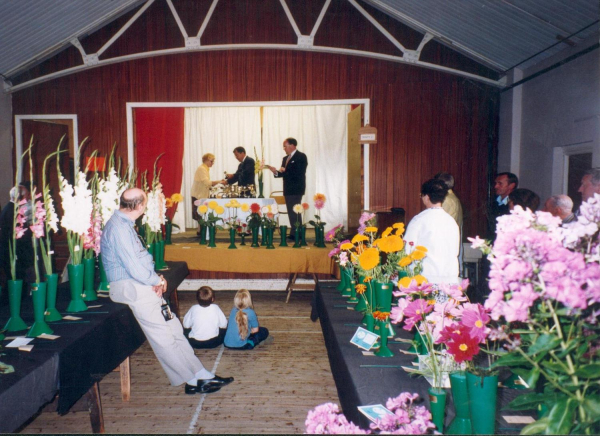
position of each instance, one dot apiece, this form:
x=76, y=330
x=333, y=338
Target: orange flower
x=169, y=203
x=420, y=279
x=381, y=316
x=371, y=230
x=360, y=248
x=359, y=238
x=369, y=259
x=360, y=289
x=347, y=246
x=405, y=261
x=367, y=279
x=418, y=255
x=391, y=244
x=319, y=197
x=387, y=232
x=421, y=248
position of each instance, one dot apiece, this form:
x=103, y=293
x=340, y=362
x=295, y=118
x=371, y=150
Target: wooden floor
x=275, y=385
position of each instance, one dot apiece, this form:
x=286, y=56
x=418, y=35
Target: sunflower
x=371, y=230
x=245, y=207
x=219, y=209
x=202, y=209
x=405, y=261
x=369, y=259
x=391, y=244
x=177, y=198
x=213, y=205
x=418, y=255
x=359, y=238
x=319, y=197
x=360, y=289
x=387, y=232
x=347, y=246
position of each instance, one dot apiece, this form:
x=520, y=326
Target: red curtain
x=160, y=130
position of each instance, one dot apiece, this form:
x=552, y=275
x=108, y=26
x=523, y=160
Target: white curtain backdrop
x=216, y=130
x=321, y=132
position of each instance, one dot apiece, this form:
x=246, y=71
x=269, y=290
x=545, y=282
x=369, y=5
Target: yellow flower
x=404, y=282
x=421, y=248
x=360, y=289
x=245, y=207
x=359, y=238
x=387, y=232
x=405, y=261
x=369, y=259
x=213, y=204
x=319, y=197
x=177, y=198
x=227, y=205
x=371, y=230
x=391, y=244
x=418, y=255
x=399, y=228
x=420, y=279
x=219, y=210
x=347, y=246
x=202, y=209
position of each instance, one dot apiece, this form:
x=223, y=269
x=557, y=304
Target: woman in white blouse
x=437, y=231
x=202, y=183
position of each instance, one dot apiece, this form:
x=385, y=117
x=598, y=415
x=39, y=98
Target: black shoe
x=202, y=388
x=219, y=381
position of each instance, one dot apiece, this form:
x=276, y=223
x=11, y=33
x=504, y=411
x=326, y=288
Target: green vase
x=159, y=255
x=383, y=292
x=384, y=350
x=437, y=406
x=320, y=236
x=168, y=232
x=342, y=284
x=15, y=322
x=243, y=238
x=103, y=286
x=370, y=322
x=418, y=346
x=347, y=292
x=162, y=254
x=461, y=424
x=263, y=236
x=270, y=245
x=202, y=235
x=150, y=248
x=283, y=235
x=483, y=394
x=38, y=295
x=353, y=298
x=297, y=237
x=255, y=237
x=260, y=185
x=303, y=237
x=51, y=314
x=361, y=306
x=76, y=273
x=89, y=270
x=212, y=232
x=370, y=296
x=232, y=239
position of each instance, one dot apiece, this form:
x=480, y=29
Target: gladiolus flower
x=369, y=258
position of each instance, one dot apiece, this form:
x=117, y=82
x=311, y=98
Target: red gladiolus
x=255, y=208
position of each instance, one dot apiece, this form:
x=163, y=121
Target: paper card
x=374, y=412
x=102, y=296
x=186, y=247
x=10, y=338
x=368, y=353
x=350, y=308
x=364, y=339
x=93, y=307
x=515, y=419
x=19, y=342
x=47, y=336
x=71, y=318
x=27, y=348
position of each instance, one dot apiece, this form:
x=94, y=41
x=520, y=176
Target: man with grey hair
x=590, y=184
x=130, y=271
x=451, y=203
x=560, y=206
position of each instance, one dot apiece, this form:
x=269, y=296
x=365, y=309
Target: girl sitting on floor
x=243, y=332
x=206, y=321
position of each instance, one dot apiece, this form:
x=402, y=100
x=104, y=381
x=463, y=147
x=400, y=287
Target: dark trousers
x=210, y=343
x=195, y=215
x=254, y=339
x=290, y=202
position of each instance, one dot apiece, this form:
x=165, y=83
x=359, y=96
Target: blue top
x=123, y=254
x=232, y=336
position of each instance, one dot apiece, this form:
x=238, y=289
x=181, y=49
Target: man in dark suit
x=244, y=176
x=293, y=172
x=504, y=184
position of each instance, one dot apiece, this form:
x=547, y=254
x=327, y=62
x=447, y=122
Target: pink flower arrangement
x=37, y=227
x=365, y=220
x=91, y=240
x=21, y=221
x=327, y=419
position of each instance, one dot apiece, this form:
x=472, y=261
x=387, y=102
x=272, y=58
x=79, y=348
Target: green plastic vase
x=270, y=245
x=76, y=273
x=384, y=350
x=89, y=270
x=297, y=237
x=232, y=232
x=202, y=235
x=342, y=284
x=353, y=298
x=437, y=406
x=263, y=236
x=103, y=286
x=243, y=238
x=418, y=346
x=51, y=314
x=461, y=424
x=347, y=292
x=283, y=234
x=15, y=322
x=370, y=296
x=319, y=237
x=38, y=295
x=370, y=322
x=255, y=237
x=383, y=292
x=303, y=237
x=168, y=232
x=212, y=234
x=483, y=394
x=162, y=254
x=150, y=248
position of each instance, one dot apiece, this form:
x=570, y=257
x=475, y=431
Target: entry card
x=19, y=342
x=375, y=412
x=71, y=318
x=47, y=336
x=364, y=339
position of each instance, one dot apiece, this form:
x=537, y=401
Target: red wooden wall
x=428, y=121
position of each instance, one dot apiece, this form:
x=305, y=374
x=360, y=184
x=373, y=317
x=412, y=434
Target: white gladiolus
x=156, y=209
x=51, y=217
x=109, y=193
x=77, y=205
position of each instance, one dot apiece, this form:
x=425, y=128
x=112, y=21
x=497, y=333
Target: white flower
x=266, y=210
x=109, y=194
x=298, y=208
x=51, y=217
x=77, y=205
x=477, y=242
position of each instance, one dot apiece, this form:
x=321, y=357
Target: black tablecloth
x=86, y=351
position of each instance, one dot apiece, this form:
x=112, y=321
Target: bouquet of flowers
x=254, y=219
x=269, y=220
x=209, y=214
x=232, y=209
x=170, y=205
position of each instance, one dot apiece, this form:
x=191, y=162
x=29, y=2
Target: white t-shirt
x=437, y=231
x=205, y=322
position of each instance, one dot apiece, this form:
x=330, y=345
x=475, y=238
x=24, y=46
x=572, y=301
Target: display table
x=71, y=365
x=242, y=216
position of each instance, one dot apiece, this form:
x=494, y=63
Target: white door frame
x=364, y=101
x=19, y=135
x=560, y=163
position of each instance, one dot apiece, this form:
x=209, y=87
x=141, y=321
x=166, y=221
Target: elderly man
x=504, y=184
x=590, y=184
x=561, y=206
x=130, y=271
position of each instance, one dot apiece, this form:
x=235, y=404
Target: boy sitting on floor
x=205, y=324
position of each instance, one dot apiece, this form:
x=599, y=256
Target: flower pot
x=232, y=239
x=283, y=235
x=270, y=245
x=347, y=292
x=38, y=295
x=437, y=406
x=361, y=306
x=461, y=424
x=89, y=270
x=168, y=232
x=383, y=350
x=76, y=286
x=103, y=286
x=303, y=237
x=263, y=236
x=202, y=235
x=255, y=237
x=369, y=321
x=15, y=322
x=483, y=394
x=212, y=232
x=51, y=313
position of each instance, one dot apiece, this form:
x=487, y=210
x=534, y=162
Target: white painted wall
x=6, y=142
x=557, y=112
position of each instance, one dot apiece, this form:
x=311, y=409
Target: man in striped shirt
x=130, y=271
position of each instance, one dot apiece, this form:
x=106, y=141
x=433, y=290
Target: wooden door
x=355, y=191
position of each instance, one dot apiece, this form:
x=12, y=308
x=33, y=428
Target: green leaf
x=529, y=376
x=312, y=223
x=556, y=367
x=591, y=370
x=560, y=419
x=510, y=359
x=537, y=427
x=591, y=404
x=176, y=226
x=543, y=344
x=527, y=401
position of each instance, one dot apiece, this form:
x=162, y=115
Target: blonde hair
x=208, y=156
x=241, y=301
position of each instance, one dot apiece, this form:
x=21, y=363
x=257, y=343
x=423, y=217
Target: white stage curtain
x=322, y=134
x=216, y=130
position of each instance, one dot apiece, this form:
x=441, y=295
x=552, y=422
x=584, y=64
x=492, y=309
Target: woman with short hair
x=202, y=183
